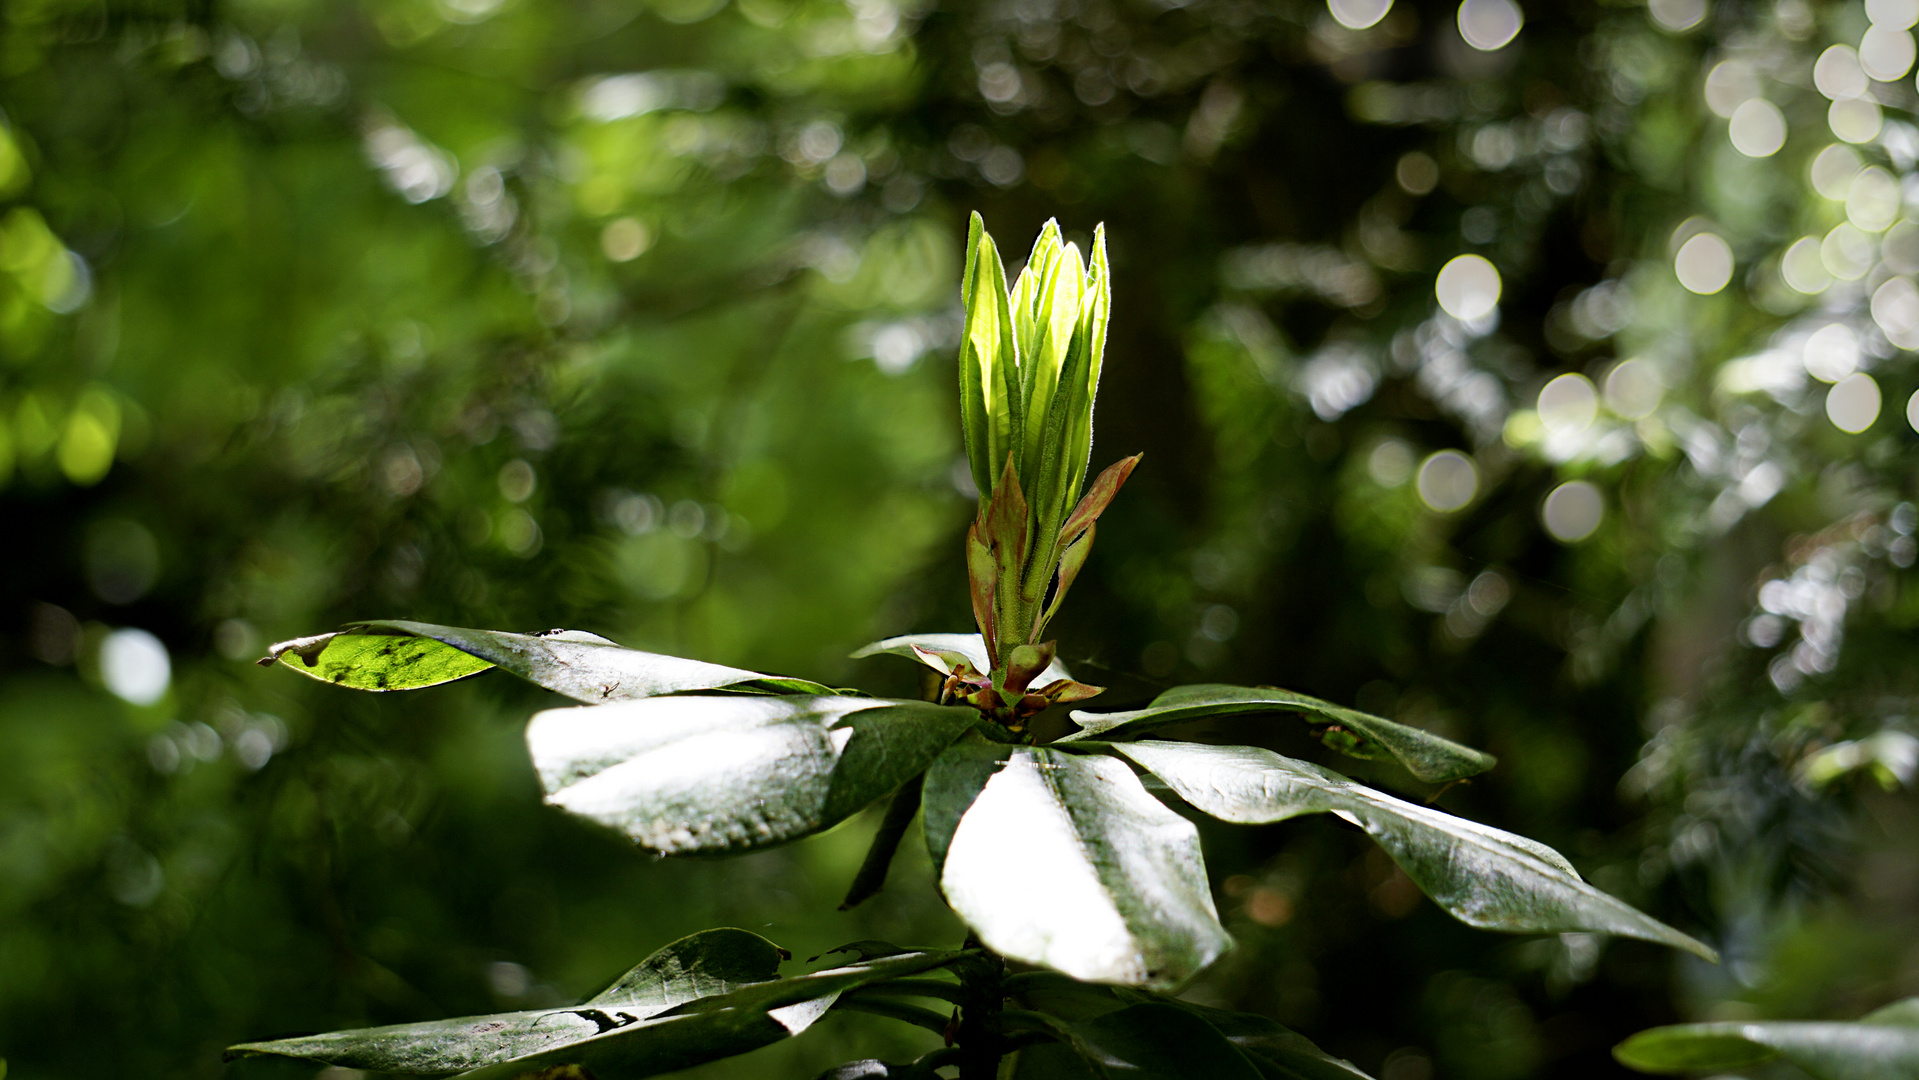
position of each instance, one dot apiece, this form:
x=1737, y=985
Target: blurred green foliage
x=639, y=318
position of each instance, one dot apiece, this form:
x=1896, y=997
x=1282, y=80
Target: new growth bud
x=1029, y=369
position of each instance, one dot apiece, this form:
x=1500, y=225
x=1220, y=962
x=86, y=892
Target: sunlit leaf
x=732, y=773
x=1485, y=877
x=697, y=966
x=1425, y=755
x=1883, y=1045
x=394, y=654
x=1066, y=861
x=971, y=646
x=652, y=1020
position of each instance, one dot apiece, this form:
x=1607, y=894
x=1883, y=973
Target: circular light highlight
x=1358, y=14
x=1568, y=404
x=1677, y=16
x=1758, y=128
x=1802, y=267
x=1448, y=480
x=1853, y=404
x=1847, y=252
x=1704, y=264
x=1467, y=287
x=1730, y=84
x=1912, y=410
x=1573, y=511
x=1837, y=73
x=1833, y=169
x=1488, y=25
x=1872, y=203
x=1856, y=120
x=1895, y=308
x=1831, y=353
x=1886, y=55
x=135, y=666
x=1633, y=389
x=1893, y=14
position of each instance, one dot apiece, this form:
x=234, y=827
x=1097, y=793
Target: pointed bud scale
x=1029, y=368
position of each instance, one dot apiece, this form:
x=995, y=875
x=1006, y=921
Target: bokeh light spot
x=1837, y=73
x=1886, y=55
x=1448, y=480
x=1831, y=353
x=1853, y=404
x=1833, y=169
x=1568, y=404
x=1893, y=14
x=1677, y=16
x=1573, y=511
x=1633, y=389
x=1847, y=253
x=1704, y=264
x=1468, y=287
x=1758, y=128
x=1912, y=410
x=625, y=239
x=1730, y=84
x=1873, y=200
x=1358, y=14
x=135, y=666
x=1489, y=24
x=1895, y=308
x=1855, y=120
x=1803, y=268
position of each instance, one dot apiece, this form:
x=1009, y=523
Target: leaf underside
x=1880, y=1046
x=659, y=1017
x=1065, y=860
x=393, y=654
x=1483, y=876
x=731, y=773
x=1427, y=756
x=971, y=646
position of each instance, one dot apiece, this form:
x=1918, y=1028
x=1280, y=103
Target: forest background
x=639, y=318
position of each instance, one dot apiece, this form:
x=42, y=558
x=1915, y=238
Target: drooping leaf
x=393, y=654
x=1883, y=1045
x=1277, y=1051
x=662, y=1026
x=697, y=966
x=1485, y=877
x=1153, y=1041
x=733, y=773
x=1064, y=860
x=1425, y=755
x=971, y=646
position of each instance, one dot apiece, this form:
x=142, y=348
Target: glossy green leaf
x=697, y=966
x=733, y=773
x=1485, y=877
x=1064, y=860
x=1427, y=756
x=1155, y=1041
x=971, y=646
x=990, y=420
x=1883, y=1045
x=393, y=654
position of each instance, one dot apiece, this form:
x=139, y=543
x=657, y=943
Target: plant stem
x=979, y=1040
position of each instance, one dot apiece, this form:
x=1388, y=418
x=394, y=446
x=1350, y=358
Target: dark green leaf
x=1483, y=876
x=698, y=966
x=1880, y=1046
x=732, y=773
x=971, y=646
x=1427, y=756
x=1155, y=1041
x=1064, y=860
x=393, y=654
